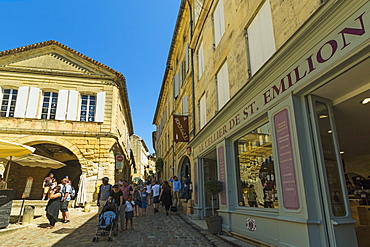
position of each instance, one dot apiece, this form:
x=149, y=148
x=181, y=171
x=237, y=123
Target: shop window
x=8, y=102
x=88, y=104
x=255, y=165
x=49, y=105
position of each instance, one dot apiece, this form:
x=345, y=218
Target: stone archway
x=185, y=167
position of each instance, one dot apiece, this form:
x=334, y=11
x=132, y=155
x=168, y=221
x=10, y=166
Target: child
x=129, y=210
x=137, y=200
x=144, y=199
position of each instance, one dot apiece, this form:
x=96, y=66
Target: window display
x=255, y=164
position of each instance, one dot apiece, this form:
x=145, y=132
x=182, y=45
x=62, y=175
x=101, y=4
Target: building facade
x=276, y=97
x=70, y=108
x=141, y=157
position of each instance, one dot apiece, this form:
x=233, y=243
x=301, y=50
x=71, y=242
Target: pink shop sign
x=221, y=160
x=286, y=160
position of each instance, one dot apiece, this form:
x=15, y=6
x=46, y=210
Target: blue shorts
x=143, y=204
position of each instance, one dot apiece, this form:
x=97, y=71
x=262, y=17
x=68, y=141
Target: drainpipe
x=192, y=70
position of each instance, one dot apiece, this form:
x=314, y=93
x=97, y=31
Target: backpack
x=73, y=193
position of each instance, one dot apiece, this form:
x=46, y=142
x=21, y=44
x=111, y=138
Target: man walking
x=66, y=197
x=156, y=189
x=176, y=187
x=104, y=192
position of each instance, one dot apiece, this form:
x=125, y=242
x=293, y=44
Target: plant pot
x=214, y=224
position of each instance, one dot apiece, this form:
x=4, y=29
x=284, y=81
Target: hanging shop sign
x=338, y=44
x=180, y=128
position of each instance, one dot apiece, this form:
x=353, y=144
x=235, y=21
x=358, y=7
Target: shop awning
x=34, y=160
x=14, y=149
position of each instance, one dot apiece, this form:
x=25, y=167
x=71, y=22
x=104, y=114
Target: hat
x=105, y=178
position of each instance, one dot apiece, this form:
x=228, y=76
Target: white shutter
x=200, y=60
x=62, y=105
x=72, y=105
x=261, y=40
x=100, y=107
x=219, y=22
x=187, y=58
x=202, y=111
x=223, y=94
x=33, y=102
x=176, y=85
x=185, y=107
x=1, y=96
x=21, y=103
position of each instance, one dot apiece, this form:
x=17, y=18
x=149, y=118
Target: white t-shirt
x=129, y=206
x=149, y=188
x=156, y=189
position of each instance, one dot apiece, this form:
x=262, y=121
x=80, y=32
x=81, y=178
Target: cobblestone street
x=150, y=230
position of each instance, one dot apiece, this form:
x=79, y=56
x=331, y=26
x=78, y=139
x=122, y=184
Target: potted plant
x=214, y=187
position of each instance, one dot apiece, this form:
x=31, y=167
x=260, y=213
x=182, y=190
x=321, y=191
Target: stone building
x=141, y=156
x=68, y=106
x=275, y=94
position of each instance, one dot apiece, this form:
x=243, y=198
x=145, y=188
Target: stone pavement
x=150, y=230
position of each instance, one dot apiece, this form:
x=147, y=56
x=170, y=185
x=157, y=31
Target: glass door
x=330, y=172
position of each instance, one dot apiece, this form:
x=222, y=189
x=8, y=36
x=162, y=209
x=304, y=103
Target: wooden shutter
x=223, y=94
x=62, y=105
x=21, y=103
x=200, y=60
x=100, y=107
x=187, y=58
x=261, y=42
x=176, y=85
x=1, y=96
x=33, y=102
x=185, y=105
x=202, y=111
x=72, y=105
x=218, y=22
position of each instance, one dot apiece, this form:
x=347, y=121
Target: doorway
x=340, y=119
x=210, y=172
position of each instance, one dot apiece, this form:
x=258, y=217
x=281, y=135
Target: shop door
x=337, y=217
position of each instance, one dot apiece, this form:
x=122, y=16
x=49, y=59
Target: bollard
x=28, y=214
x=87, y=207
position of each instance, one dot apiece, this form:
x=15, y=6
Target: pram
x=108, y=220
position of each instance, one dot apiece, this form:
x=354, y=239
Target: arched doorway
x=64, y=155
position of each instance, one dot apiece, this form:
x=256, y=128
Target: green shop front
x=292, y=148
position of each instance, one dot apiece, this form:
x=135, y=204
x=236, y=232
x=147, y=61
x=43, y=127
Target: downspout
x=192, y=71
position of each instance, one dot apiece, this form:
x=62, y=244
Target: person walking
x=66, y=190
x=126, y=189
x=165, y=196
x=104, y=192
x=116, y=196
x=137, y=200
x=156, y=192
x=53, y=206
x=46, y=184
x=129, y=211
x=149, y=191
x=176, y=183
x=144, y=201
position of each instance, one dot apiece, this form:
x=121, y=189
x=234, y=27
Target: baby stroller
x=108, y=221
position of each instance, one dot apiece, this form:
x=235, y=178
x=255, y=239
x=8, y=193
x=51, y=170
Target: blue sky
x=130, y=36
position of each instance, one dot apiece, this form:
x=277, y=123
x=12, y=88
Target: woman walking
x=53, y=206
x=166, y=196
x=116, y=196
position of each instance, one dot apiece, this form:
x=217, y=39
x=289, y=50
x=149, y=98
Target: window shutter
x=200, y=60
x=72, y=105
x=176, y=85
x=223, y=86
x=100, y=106
x=219, y=22
x=21, y=103
x=1, y=95
x=202, y=111
x=62, y=105
x=33, y=102
x=185, y=107
x=187, y=58
x=261, y=41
